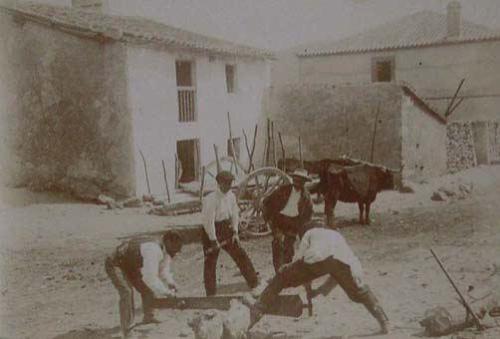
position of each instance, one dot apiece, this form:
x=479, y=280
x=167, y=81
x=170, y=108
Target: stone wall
x=64, y=99
x=460, y=146
x=333, y=121
x=424, y=142
x=494, y=141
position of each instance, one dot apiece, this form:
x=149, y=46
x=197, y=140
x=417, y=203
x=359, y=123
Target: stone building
x=430, y=51
x=83, y=94
x=384, y=123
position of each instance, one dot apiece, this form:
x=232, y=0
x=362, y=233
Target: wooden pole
x=374, y=133
x=282, y=151
x=464, y=302
x=254, y=143
x=165, y=179
x=176, y=171
x=216, y=151
x=455, y=106
x=300, y=153
x=146, y=172
x=268, y=153
x=202, y=186
x=231, y=142
x=447, y=112
x=274, y=145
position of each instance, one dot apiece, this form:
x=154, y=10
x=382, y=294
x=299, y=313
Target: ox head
x=386, y=177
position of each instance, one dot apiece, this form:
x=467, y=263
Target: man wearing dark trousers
x=286, y=210
x=220, y=225
x=143, y=264
x=322, y=251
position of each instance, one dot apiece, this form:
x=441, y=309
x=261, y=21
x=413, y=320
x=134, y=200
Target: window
x=186, y=91
x=383, y=69
x=236, y=143
x=230, y=78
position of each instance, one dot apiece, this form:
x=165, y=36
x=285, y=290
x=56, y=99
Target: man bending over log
x=143, y=264
x=322, y=251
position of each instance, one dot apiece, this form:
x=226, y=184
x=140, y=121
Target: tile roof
x=421, y=29
x=127, y=29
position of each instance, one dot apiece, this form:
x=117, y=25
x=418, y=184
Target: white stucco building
x=139, y=85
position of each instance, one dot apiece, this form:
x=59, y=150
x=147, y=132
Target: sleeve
x=235, y=214
x=303, y=246
x=209, y=216
x=151, y=258
x=166, y=270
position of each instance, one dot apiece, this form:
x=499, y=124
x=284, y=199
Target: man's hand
x=236, y=239
x=284, y=267
x=173, y=287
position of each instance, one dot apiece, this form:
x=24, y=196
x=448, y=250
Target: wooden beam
x=284, y=305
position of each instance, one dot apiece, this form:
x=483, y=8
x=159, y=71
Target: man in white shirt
x=287, y=209
x=220, y=225
x=323, y=251
x=143, y=264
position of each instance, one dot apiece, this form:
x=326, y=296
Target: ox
x=350, y=181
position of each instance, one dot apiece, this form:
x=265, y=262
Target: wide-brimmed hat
x=301, y=173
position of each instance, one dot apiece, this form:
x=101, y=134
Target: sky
x=281, y=24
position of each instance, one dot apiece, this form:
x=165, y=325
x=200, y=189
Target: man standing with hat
x=220, y=225
x=287, y=209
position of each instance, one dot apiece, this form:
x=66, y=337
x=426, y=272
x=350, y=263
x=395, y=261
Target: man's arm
x=151, y=260
x=235, y=214
x=166, y=272
x=208, y=212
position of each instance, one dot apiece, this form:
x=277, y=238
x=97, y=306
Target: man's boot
x=372, y=305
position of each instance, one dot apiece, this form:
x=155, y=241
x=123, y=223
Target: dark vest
x=128, y=257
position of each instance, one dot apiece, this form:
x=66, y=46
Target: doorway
x=189, y=158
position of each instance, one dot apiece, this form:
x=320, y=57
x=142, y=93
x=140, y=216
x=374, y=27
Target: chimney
x=453, y=18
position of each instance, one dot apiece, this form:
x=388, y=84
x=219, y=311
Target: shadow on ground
x=95, y=333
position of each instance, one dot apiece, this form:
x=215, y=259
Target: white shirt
x=291, y=208
x=156, y=269
x=218, y=206
x=317, y=244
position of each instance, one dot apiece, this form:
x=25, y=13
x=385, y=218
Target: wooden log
x=285, y=305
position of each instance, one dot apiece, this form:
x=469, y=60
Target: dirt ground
x=53, y=283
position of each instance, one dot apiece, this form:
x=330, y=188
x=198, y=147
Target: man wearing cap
x=322, y=251
x=220, y=225
x=287, y=209
x=143, y=264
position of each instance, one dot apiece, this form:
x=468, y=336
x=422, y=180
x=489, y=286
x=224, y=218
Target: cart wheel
x=251, y=193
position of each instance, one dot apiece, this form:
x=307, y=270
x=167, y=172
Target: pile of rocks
x=452, y=192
